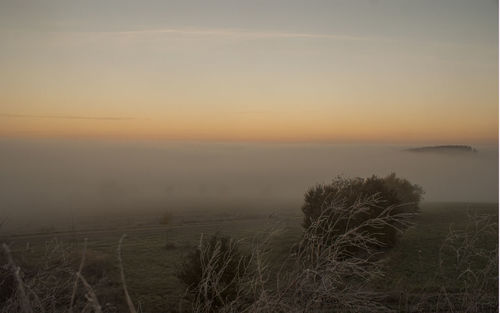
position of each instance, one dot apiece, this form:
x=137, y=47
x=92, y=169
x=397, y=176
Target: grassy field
x=414, y=260
x=152, y=252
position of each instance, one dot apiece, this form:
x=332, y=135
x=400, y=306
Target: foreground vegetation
x=433, y=268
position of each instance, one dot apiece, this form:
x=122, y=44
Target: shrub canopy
x=397, y=194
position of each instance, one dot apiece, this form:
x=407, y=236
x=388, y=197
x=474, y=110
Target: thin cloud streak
x=69, y=117
x=229, y=33
x=242, y=34
x=239, y=33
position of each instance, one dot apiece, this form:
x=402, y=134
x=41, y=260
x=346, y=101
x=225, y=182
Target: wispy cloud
x=237, y=33
x=222, y=33
x=69, y=117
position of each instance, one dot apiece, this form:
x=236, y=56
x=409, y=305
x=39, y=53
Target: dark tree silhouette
x=392, y=195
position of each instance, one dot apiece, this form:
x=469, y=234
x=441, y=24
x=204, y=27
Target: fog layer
x=41, y=177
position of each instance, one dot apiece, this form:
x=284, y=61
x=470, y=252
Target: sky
x=375, y=71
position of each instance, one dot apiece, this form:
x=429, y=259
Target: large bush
x=388, y=195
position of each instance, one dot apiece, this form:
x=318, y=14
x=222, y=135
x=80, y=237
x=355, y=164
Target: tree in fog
x=392, y=195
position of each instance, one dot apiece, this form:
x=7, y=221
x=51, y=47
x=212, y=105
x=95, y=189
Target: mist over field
x=48, y=178
x=233, y=156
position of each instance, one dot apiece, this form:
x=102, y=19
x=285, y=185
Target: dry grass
x=53, y=285
x=323, y=272
x=468, y=271
x=327, y=272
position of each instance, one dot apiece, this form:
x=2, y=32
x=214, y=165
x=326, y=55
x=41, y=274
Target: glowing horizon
x=339, y=72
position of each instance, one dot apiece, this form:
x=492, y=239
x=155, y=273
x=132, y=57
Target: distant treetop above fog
x=445, y=149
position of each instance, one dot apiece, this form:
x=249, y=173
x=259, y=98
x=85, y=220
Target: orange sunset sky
x=337, y=71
